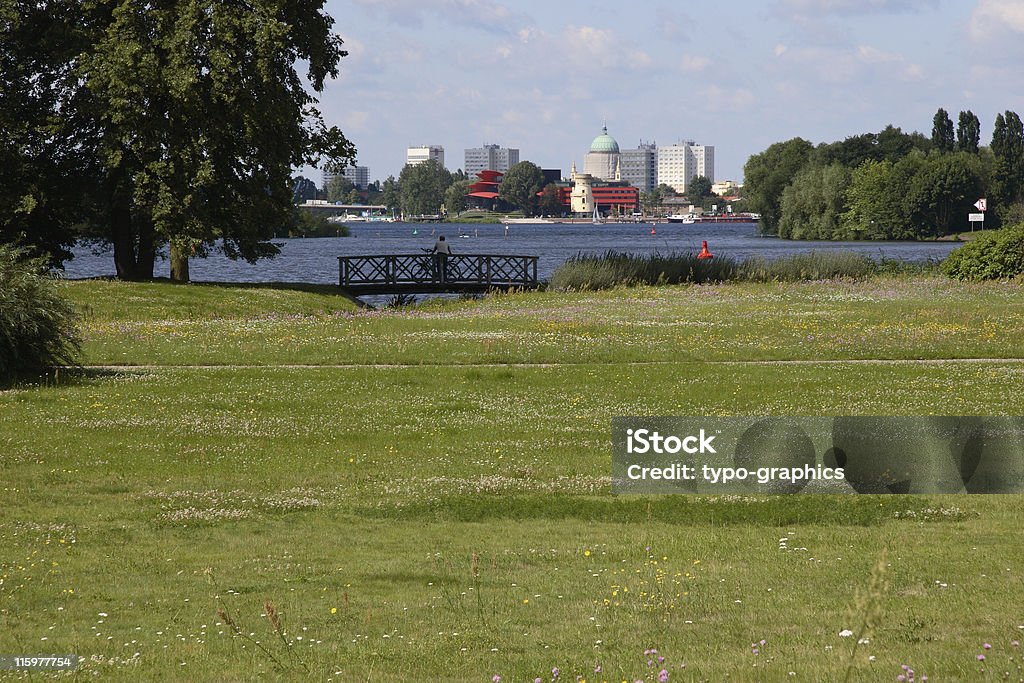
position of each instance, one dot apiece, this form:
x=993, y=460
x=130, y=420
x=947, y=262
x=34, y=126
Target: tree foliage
x=188, y=115
x=766, y=176
x=389, y=194
x=942, y=131
x=995, y=255
x=889, y=185
x=338, y=189
x=813, y=203
x=520, y=186
x=968, y=132
x=550, y=202
x=455, y=195
x=421, y=188
x=44, y=180
x=1008, y=172
x=700, y=187
x=38, y=326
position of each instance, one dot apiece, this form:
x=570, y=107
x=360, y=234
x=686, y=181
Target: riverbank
x=424, y=494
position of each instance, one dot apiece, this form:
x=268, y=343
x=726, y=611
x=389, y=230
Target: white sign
x=976, y=217
x=981, y=204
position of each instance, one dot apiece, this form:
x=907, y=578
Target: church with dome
x=602, y=161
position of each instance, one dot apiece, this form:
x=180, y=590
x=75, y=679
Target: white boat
x=525, y=221
x=687, y=218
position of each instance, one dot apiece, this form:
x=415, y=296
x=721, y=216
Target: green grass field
x=256, y=482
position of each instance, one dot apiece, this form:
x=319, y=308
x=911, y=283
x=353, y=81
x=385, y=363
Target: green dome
x=604, y=143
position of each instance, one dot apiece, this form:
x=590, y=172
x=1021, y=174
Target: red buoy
x=704, y=253
x=653, y=230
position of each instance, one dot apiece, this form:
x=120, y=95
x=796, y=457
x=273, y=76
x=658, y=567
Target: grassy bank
x=439, y=507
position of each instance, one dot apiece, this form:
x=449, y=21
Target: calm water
x=315, y=260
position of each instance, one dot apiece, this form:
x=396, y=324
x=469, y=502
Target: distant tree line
x=431, y=189
x=890, y=185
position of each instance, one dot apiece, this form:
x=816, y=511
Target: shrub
x=995, y=255
x=38, y=327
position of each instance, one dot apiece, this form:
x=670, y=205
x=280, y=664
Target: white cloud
x=694, y=63
x=847, y=65
x=872, y=55
x=996, y=17
x=672, y=23
x=716, y=98
x=806, y=7
x=355, y=121
x=487, y=15
x=600, y=47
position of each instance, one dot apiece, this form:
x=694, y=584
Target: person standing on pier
x=441, y=251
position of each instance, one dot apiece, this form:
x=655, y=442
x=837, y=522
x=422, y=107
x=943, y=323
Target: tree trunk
x=121, y=234
x=146, y=253
x=179, y=262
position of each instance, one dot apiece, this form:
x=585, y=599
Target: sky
x=544, y=76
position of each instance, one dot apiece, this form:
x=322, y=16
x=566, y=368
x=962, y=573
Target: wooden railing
x=428, y=273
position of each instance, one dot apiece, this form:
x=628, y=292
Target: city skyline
x=544, y=78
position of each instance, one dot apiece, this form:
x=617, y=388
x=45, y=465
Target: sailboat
x=597, y=214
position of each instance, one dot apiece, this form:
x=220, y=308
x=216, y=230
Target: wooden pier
x=435, y=273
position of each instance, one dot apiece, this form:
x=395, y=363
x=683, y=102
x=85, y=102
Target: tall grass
x=611, y=269
x=38, y=326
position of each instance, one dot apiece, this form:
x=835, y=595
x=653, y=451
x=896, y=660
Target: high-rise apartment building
x=357, y=175
x=639, y=167
x=419, y=155
x=490, y=158
x=680, y=163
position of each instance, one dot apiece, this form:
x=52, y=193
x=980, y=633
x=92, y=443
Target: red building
x=612, y=197
x=485, y=190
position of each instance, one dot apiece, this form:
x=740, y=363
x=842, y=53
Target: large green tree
x=968, y=132
x=942, y=131
x=814, y=202
x=44, y=177
x=455, y=195
x=550, y=201
x=390, y=195
x=338, y=188
x=699, y=188
x=191, y=116
x=766, y=175
x=943, y=191
x=520, y=186
x=422, y=187
x=1008, y=172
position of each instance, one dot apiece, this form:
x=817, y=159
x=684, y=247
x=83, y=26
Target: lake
x=314, y=260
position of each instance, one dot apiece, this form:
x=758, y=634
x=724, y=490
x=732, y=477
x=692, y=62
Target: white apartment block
x=680, y=163
x=419, y=155
x=490, y=158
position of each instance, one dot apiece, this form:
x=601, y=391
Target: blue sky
x=740, y=75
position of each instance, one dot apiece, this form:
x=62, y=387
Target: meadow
x=265, y=482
